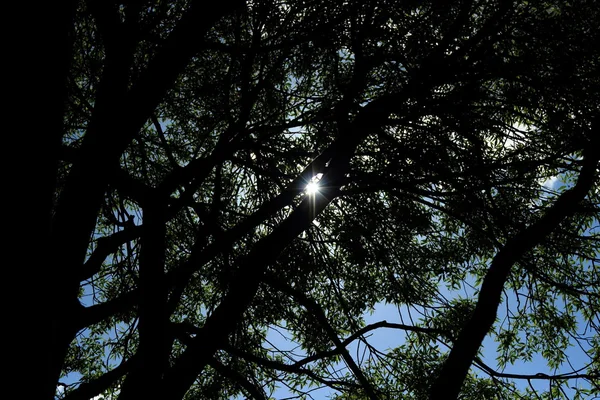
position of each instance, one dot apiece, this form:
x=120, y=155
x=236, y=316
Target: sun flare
x=312, y=188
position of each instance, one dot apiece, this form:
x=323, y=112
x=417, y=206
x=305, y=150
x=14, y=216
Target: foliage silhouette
x=177, y=232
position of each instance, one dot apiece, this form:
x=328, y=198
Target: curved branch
x=539, y=375
x=106, y=246
x=319, y=314
x=464, y=351
x=183, y=329
x=295, y=368
x=392, y=325
x=95, y=387
x=99, y=312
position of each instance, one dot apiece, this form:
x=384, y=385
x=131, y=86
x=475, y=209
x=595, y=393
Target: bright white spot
x=312, y=188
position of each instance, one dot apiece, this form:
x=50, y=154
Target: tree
x=177, y=229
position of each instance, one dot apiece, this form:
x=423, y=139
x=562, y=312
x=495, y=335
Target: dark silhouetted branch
x=239, y=379
x=295, y=368
x=107, y=245
x=315, y=309
x=97, y=386
x=464, y=351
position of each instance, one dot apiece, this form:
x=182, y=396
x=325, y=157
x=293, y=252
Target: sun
x=312, y=188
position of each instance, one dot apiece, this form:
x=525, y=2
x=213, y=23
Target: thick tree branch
x=107, y=245
x=49, y=29
x=155, y=344
x=464, y=351
x=99, y=312
x=108, y=21
x=96, y=387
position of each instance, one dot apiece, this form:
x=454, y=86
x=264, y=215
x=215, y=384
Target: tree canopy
x=453, y=148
